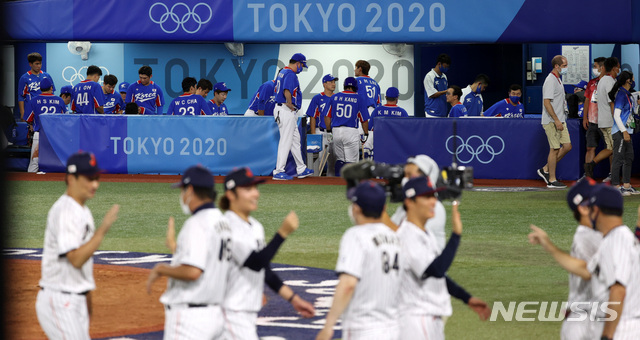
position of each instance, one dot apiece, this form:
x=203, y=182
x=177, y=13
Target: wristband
x=291, y=298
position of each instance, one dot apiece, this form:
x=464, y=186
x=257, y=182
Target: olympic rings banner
x=495, y=147
x=408, y=21
x=160, y=144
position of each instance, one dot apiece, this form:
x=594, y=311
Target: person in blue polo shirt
x=435, y=88
x=216, y=105
x=453, y=98
x=510, y=107
x=472, y=95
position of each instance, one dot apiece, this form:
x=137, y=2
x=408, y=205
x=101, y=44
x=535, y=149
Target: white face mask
x=184, y=205
x=351, y=217
x=564, y=70
x=595, y=72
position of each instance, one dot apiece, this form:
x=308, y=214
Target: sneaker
x=306, y=173
x=625, y=191
x=281, y=176
x=543, y=175
x=632, y=190
x=556, y=185
x=607, y=180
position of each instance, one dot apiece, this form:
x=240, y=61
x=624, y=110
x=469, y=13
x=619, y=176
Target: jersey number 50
x=343, y=110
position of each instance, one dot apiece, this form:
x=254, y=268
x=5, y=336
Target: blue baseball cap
x=369, y=196
x=418, y=186
x=198, y=176
x=328, y=77
x=582, y=84
x=242, y=177
x=221, y=87
x=604, y=196
x=392, y=92
x=300, y=58
x=123, y=87
x=68, y=89
x=351, y=81
x=45, y=83
x=580, y=193
x=83, y=163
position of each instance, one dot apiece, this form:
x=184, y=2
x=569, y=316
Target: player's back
x=268, y=98
x=86, y=97
x=377, y=266
x=41, y=104
x=370, y=90
x=387, y=111
x=188, y=105
x=345, y=108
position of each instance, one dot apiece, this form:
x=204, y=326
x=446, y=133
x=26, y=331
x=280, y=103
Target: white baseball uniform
x=61, y=305
x=423, y=303
x=618, y=261
x=243, y=296
x=371, y=253
x=193, y=309
x=586, y=242
x=435, y=225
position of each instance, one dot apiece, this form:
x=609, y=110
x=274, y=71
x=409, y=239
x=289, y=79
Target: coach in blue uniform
x=113, y=102
x=453, y=98
x=87, y=96
x=510, y=107
x=472, y=96
x=342, y=113
x=435, y=88
x=319, y=101
x=368, y=88
x=189, y=103
x=216, y=105
x=147, y=94
x=29, y=83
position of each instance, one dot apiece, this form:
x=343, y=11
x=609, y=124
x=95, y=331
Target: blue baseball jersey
x=473, y=102
x=288, y=80
x=148, y=98
x=345, y=108
x=386, y=111
x=317, y=108
x=458, y=110
x=189, y=105
x=41, y=104
x=505, y=109
x=113, y=102
x=267, y=98
x=29, y=85
x=369, y=89
x=86, y=97
x=435, y=83
x=624, y=102
x=217, y=110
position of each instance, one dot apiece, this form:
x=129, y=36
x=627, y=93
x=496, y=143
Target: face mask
x=595, y=72
x=633, y=84
x=299, y=69
x=564, y=71
x=478, y=89
x=444, y=69
x=514, y=99
x=351, y=217
x=184, y=206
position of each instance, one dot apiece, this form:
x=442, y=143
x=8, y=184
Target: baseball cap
x=301, y=58
x=369, y=196
x=221, y=87
x=418, y=186
x=68, y=89
x=582, y=84
x=242, y=177
x=83, y=163
x=393, y=92
x=427, y=165
x=328, y=77
x=580, y=193
x=351, y=81
x=45, y=83
x=604, y=196
x=198, y=176
x=123, y=86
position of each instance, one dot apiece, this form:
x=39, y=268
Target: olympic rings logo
x=179, y=15
x=73, y=76
x=477, y=148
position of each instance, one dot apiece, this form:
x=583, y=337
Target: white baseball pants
x=183, y=322
x=289, y=139
x=240, y=325
x=346, y=143
x=581, y=330
x=35, y=146
x=371, y=333
x=63, y=316
x=421, y=327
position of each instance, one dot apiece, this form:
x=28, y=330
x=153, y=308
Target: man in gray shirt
x=554, y=118
x=605, y=107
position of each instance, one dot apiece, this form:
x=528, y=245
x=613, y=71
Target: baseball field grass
x=494, y=261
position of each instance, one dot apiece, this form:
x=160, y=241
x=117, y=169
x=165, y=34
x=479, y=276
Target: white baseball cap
x=427, y=165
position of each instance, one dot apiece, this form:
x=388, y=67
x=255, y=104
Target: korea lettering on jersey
x=217, y=110
x=317, y=107
x=505, y=109
x=287, y=80
x=113, y=102
x=345, y=108
x=369, y=90
x=44, y=103
x=473, y=103
x=267, y=100
x=29, y=85
x=388, y=111
x=189, y=105
x=148, y=98
x=87, y=96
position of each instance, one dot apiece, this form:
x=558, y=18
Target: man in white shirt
x=605, y=108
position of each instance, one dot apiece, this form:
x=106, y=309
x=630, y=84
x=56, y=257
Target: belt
x=282, y=104
x=65, y=292
x=192, y=305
